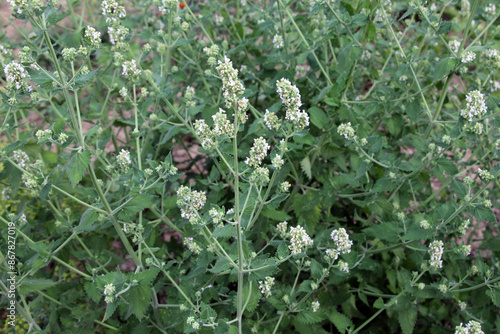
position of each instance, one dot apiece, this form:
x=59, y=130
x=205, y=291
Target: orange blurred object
x=182, y=5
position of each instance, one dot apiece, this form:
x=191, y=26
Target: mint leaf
x=77, y=166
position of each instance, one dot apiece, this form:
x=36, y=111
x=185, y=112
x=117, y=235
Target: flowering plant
x=238, y=167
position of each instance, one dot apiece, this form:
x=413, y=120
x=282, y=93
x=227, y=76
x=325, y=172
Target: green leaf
x=84, y=80
x=310, y=317
x=137, y=204
x=221, y=265
x=44, y=192
x=395, y=124
x=42, y=79
x=443, y=67
x=316, y=269
x=283, y=250
x=93, y=291
x=34, y=284
x=77, y=166
x=483, y=213
x=384, y=231
x=226, y=231
x=447, y=166
x=494, y=294
x=87, y=219
x=379, y=303
x=110, y=309
x=49, y=157
x=407, y=319
x=318, y=117
x=492, y=244
x=139, y=299
x=341, y=321
x=305, y=165
x=275, y=215
x=147, y=276
x=413, y=109
x=251, y=294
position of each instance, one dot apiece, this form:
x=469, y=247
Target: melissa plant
x=250, y=167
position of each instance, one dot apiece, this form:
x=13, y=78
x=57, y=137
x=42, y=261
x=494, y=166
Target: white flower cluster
x=123, y=160
x=94, y=37
x=476, y=106
x=260, y=176
x=17, y=77
x=266, y=285
x=341, y=238
x=272, y=121
x=455, y=45
x=258, y=152
x=222, y=126
x=217, y=216
x=290, y=97
x=315, y=306
x=282, y=229
x=21, y=158
x=130, y=70
x=209, y=137
x=299, y=240
x=112, y=10
x=472, y=327
x=284, y=187
x=192, y=245
x=468, y=57
x=190, y=202
x=346, y=130
x=277, y=161
x=117, y=36
x=26, y=7
x=278, y=41
x=493, y=57
x=165, y=6
x=490, y=10
x=231, y=85
x=436, y=250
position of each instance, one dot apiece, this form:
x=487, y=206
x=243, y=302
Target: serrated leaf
x=34, y=284
x=147, y=276
x=443, y=67
x=137, y=204
x=483, y=213
x=305, y=286
x=275, y=215
x=221, y=265
x=84, y=80
x=283, y=251
x=316, y=269
x=341, y=321
x=86, y=220
x=77, y=166
x=139, y=299
x=384, y=231
x=226, y=231
x=93, y=291
x=251, y=297
x=42, y=79
x=318, y=117
x=494, y=295
x=310, y=317
x=447, y=166
x=305, y=165
x=407, y=318
x=110, y=309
